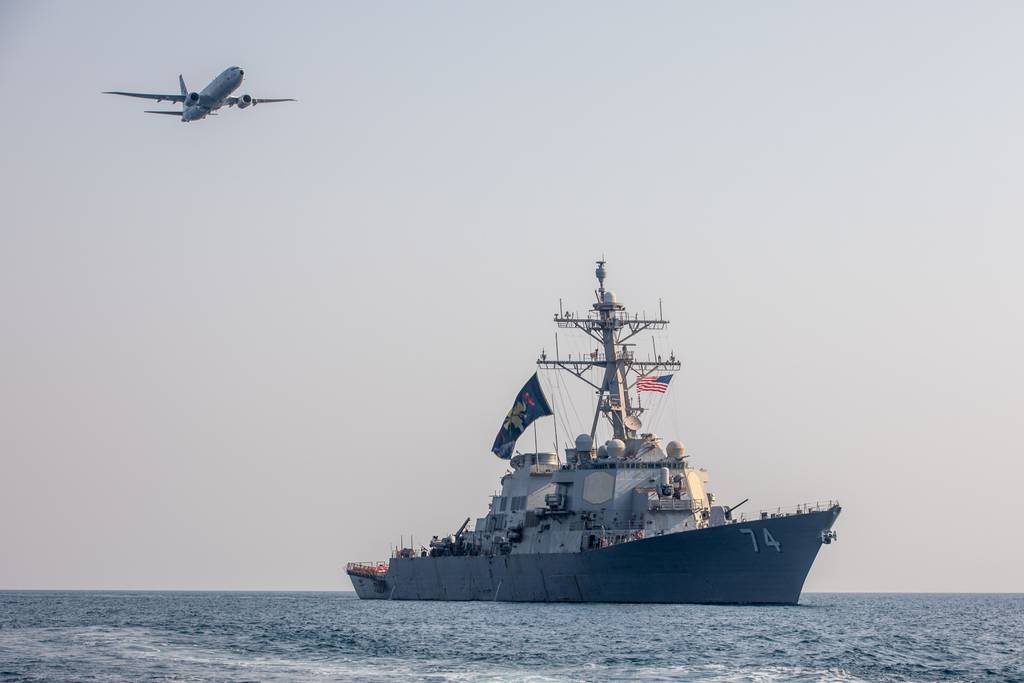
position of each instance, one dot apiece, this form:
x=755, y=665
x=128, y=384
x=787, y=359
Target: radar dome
x=676, y=450
x=584, y=443
x=602, y=452
x=609, y=297
x=616, y=449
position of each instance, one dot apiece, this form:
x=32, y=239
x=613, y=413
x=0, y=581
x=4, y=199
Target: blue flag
x=529, y=405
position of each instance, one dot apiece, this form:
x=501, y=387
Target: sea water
x=171, y=636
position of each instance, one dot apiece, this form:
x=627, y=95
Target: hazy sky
x=241, y=352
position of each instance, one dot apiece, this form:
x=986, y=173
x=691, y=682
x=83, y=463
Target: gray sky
x=238, y=353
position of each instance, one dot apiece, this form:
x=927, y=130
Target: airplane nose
x=241, y=72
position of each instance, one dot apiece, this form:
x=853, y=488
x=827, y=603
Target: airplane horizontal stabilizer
x=173, y=113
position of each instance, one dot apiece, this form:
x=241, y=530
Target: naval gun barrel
x=738, y=504
x=728, y=510
x=462, y=528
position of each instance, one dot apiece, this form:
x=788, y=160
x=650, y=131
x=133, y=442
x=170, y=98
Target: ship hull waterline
x=763, y=561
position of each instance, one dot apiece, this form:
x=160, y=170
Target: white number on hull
x=769, y=540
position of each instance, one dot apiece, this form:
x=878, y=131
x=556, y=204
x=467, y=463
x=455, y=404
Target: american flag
x=659, y=384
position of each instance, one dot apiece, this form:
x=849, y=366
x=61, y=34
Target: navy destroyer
x=627, y=520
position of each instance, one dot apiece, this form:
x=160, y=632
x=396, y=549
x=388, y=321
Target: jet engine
x=192, y=99
x=244, y=101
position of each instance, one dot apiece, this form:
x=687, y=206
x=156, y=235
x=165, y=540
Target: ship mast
x=610, y=325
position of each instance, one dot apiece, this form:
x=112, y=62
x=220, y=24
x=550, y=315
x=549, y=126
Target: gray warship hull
x=764, y=561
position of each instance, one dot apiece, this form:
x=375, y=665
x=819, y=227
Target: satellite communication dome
x=609, y=297
x=676, y=450
x=602, y=452
x=584, y=443
x=616, y=449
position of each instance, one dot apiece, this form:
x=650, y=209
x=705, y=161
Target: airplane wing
x=173, y=113
x=147, y=96
x=232, y=101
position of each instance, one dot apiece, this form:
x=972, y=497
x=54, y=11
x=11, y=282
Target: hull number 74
x=769, y=540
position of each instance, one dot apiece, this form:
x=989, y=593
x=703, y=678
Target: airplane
x=196, y=106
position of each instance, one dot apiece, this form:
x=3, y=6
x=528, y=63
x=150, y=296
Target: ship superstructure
x=627, y=520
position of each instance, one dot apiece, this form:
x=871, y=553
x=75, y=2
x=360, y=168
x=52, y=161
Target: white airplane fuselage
x=211, y=98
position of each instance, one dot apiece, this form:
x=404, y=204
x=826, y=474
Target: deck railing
x=676, y=504
x=786, y=511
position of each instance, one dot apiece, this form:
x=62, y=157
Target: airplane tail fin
x=181, y=82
